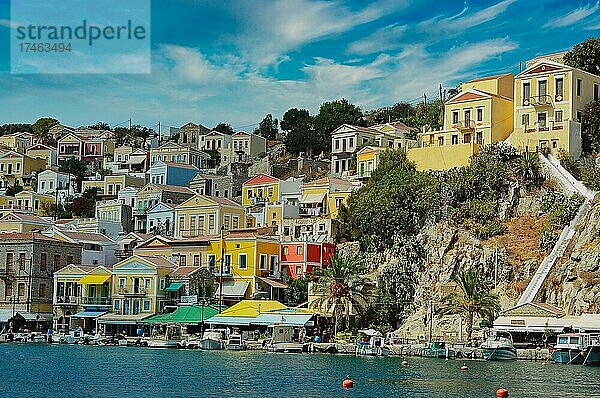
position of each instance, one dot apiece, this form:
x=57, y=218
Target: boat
x=73, y=337
x=499, y=347
x=570, y=348
x=282, y=339
x=171, y=338
x=371, y=343
x=235, y=343
x=212, y=339
x=437, y=349
x=592, y=352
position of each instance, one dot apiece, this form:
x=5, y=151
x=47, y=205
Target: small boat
x=499, y=347
x=371, y=343
x=437, y=349
x=73, y=337
x=592, y=352
x=282, y=340
x=212, y=339
x=235, y=343
x=171, y=338
x=571, y=348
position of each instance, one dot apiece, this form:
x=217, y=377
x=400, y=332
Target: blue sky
x=236, y=61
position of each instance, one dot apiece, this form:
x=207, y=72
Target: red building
x=299, y=258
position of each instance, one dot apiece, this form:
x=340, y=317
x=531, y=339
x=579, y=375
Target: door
x=136, y=285
x=136, y=306
x=126, y=307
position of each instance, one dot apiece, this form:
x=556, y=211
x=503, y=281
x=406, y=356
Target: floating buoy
x=347, y=383
x=464, y=367
x=502, y=393
x=405, y=363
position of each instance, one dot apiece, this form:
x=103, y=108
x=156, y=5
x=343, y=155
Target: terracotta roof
x=87, y=236
x=326, y=181
x=159, y=261
x=26, y=236
x=224, y=201
x=174, y=188
x=261, y=179
x=27, y=217
x=196, y=239
x=184, y=271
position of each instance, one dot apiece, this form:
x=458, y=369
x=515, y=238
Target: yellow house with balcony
x=39, y=203
x=549, y=101
x=250, y=264
x=261, y=197
x=367, y=160
x=323, y=197
x=481, y=113
x=206, y=215
x=18, y=168
x=138, y=291
x=183, y=252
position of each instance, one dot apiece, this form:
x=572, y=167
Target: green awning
x=185, y=314
x=174, y=287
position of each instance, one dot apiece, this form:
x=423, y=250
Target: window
x=182, y=258
x=147, y=283
x=21, y=289
x=22, y=261
x=454, y=117
x=56, y=262
x=43, y=262
x=350, y=142
x=596, y=94
x=9, y=262
x=211, y=222
x=43, y=184
x=181, y=224
x=542, y=88
x=271, y=192
x=273, y=265
x=454, y=139
x=162, y=283
x=117, y=305
x=579, y=84
x=263, y=262
x=578, y=116
x=7, y=290
x=558, y=116
x=525, y=119
x=467, y=113
x=122, y=283
x=526, y=93
x=201, y=224
x=541, y=117
x=298, y=249
x=227, y=264
x=441, y=141
x=146, y=305
x=480, y=114
x=236, y=222
x=558, y=88
x=196, y=260
x=42, y=290
x=242, y=261
x=249, y=194
x=337, y=144
x=286, y=250
x=193, y=225
x=211, y=262
x=479, y=138
x=226, y=220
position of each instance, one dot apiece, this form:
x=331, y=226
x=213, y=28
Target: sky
x=235, y=61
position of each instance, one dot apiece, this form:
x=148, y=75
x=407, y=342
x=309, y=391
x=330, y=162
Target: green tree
x=299, y=128
x=473, y=298
x=12, y=128
x=41, y=127
x=100, y=126
x=528, y=168
x=268, y=128
x=590, y=128
x=297, y=290
x=399, y=111
x=331, y=116
x=585, y=55
x=75, y=167
x=340, y=288
x=215, y=158
x=203, y=283
x=224, y=128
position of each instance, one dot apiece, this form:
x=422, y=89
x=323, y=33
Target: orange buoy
x=347, y=383
x=502, y=393
x=405, y=363
x=464, y=367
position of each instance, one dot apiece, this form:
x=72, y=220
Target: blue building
x=168, y=173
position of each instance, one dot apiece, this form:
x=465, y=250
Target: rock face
x=574, y=283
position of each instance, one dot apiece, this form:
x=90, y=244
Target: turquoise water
x=30, y=370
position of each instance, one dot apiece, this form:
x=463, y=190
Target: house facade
x=150, y=195
x=300, y=258
x=19, y=169
x=191, y=134
x=207, y=215
x=44, y=152
x=96, y=249
x=168, y=173
x=179, y=153
x=89, y=147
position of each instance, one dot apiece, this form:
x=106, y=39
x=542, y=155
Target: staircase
x=554, y=169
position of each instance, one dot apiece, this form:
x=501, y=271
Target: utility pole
x=430, y=319
x=221, y=272
x=129, y=124
x=442, y=101
x=425, y=100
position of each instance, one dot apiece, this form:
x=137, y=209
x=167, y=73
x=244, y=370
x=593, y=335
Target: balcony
x=271, y=274
x=465, y=125
x=132, y=290
x=538, y=100
x=123, y=254
x=67, y=300
x=311, y=211
x=95, y=301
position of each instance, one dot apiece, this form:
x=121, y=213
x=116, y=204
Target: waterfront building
x=481, y=113
x=300, y=258
x=550, y=98
x=183, y=252
x=168, y=173
x=27, y=263
x=207, y=215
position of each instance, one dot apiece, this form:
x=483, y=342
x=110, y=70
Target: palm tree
x=474, y=298
x=339, y=288
x=528, y=167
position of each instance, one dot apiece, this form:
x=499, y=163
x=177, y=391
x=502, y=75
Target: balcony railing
x=132, y=290
x=466, y=124
x=538, y=100
x=67, y=300
x=123, y=253
x=311, y=211
x=95, y=301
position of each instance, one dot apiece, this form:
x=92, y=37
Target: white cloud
x=464, y=20
x=574, y=17
x=384, y=39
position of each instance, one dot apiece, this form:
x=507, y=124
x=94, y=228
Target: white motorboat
x=371, y=343
x=499, y=347
x=171, y=338
x=212, y=339
x=282, y=339
x=235, y=343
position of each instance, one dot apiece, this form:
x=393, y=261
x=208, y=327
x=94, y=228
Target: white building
x=56, y=183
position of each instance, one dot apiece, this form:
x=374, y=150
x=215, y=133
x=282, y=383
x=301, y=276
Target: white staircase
x=553, y=167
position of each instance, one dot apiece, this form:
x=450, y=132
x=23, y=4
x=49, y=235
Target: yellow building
x=22, y=222
x=261, y=197
x=481, y=113
x=44, y=152
x=38, y=203
x=138, y=291
x=206, y=215
x=183, y=252
x=18, y=168
x=250, y=265
x=18, y=142
x=549, y=101
x=323, y=197
x=367, y=160
x=112, y=184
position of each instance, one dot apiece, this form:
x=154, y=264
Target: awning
x=5, y=315
x=116, y=319
x=263, y=320
x=93, y=279
x=136, y=159
x=88, y=314
x=174, y=287
x=233, y=289
x=38, y=317
x=185, y=314
x=312, y=198
x=273, y=283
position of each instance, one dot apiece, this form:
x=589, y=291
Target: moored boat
x=171, y=338
x=282, y=340
x=371, y=343
x=499, y=347
x=592, y=352
x=212, y=339
x=235, y=343
x=570, y=348
x=437, y=349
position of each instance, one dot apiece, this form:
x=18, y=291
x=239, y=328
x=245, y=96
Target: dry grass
x=521, y=239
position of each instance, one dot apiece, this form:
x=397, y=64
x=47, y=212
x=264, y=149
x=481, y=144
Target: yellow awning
x=93, y=279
